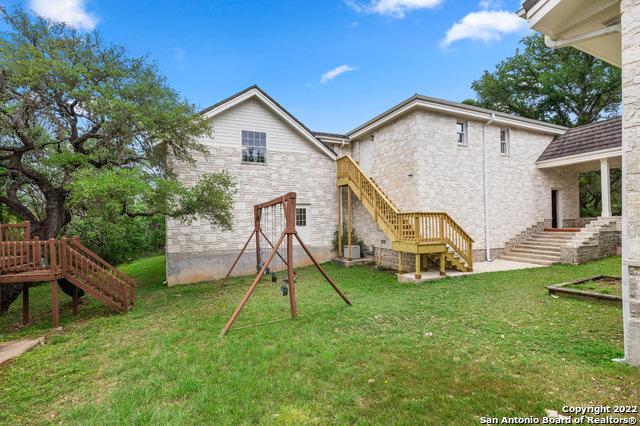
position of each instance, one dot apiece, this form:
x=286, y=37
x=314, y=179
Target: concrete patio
x=497, y=265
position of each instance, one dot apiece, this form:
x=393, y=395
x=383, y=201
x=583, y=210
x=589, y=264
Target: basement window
x=301, y=217
x=254, y=147
x=461, y=130
x=504, y=141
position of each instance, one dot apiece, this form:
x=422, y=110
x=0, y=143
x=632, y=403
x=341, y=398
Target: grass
x=610, y=286
x=445, y=352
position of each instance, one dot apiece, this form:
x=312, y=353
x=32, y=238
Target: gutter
x=486, y=187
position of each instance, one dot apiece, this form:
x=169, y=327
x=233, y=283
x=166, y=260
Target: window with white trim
x=301, y=216
x=254, y=147
x=461, y=131
x=504, y=141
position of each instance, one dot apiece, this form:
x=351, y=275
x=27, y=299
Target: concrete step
x=541, y=256
x=551, y=237
x=543, y=242
x=546, y=249
x=529, y=260
x=536, y=250
x=558, y=234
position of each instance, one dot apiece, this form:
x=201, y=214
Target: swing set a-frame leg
x=324, y=274
x=252, y=287
x=237, y=259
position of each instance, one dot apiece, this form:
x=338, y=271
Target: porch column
x=605, y=183
x=630, y=23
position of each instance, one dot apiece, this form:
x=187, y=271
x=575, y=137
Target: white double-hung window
x=461, y=131
x=254, y=147
x=504, y=141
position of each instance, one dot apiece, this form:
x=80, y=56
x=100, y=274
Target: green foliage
x=89, y=140
x=562, y=86
x=86, y=131
x=122, y=239
x=355, y=239
x=591, y=197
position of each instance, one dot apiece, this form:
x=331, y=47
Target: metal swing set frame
x=288, y=203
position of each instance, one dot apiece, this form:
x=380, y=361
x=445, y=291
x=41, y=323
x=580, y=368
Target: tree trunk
x=56, y=218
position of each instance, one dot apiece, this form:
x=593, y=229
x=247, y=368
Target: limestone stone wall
x=417, y=162
x=630, y=22
x=198, y=252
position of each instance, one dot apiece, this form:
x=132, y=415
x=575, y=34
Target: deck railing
x=64, y=259
x=411, y=227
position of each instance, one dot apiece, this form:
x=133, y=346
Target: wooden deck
x=24, y=260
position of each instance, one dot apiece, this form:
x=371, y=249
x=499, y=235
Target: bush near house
x=446, y=352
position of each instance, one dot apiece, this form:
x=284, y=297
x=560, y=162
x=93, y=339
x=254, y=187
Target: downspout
x=485, y=176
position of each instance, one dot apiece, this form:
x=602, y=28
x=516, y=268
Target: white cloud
x=330, y=75
x=484, y=26
x=71, y=12
x=490, y=4
x=394, y=8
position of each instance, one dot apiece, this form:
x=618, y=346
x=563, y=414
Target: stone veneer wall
x=630, y=22
x=419, y=166
x=197, y=252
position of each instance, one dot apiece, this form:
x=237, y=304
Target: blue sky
x=387, y=50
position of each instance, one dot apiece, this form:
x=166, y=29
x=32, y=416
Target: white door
x=303, y=223
x=366, y=147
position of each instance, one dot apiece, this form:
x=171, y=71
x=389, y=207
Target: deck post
x=349, y=223
x=74, y=302
x=443, y=264
x=25, y=303
x=340, y=253
x=54, y=304
x=418, y=267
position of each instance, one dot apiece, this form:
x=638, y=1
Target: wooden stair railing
x=410, y=228
x=93, y=274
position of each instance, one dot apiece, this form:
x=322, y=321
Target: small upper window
x=504, y=141
x=301, y=217
x=461, y=130
x=254, y=147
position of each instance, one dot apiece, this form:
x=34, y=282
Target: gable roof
x=256, y=92
x=457, y=109
x=606, y=134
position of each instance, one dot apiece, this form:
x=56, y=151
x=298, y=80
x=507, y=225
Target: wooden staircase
x=434, y=235
x=26, y=260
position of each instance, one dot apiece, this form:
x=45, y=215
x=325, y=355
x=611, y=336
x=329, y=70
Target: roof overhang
x=258, y=94
x=459, y=110
x=588, y=25
x=585, y=157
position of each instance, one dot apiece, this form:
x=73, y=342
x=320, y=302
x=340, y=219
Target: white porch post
x=605, y=183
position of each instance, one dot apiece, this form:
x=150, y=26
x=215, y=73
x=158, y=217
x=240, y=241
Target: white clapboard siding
x=252, y=115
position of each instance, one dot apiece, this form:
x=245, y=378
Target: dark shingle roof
x=528, y=4
x=330, y=135
x=588, y=138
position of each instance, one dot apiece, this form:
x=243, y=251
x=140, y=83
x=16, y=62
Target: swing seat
x=284, y=290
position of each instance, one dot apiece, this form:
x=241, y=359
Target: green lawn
x=445, y=352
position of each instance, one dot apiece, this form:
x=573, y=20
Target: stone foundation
x=607, y=244
x=195, y=267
